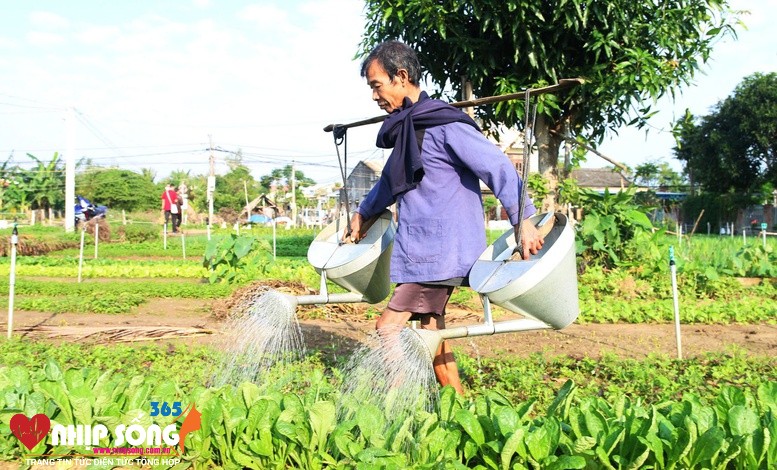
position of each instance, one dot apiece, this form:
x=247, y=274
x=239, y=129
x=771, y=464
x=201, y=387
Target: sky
x=155, y=84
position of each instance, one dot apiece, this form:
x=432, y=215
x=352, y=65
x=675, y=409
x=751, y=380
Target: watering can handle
x=363, y=228
x=544, y=226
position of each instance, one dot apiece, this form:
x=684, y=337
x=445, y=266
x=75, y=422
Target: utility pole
x=211, y=182
x=70, y=171
x=293, y=195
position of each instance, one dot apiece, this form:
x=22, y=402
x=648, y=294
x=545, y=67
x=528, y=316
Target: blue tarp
x=259, y=219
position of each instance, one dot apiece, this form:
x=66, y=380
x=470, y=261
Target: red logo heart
x=30, y=430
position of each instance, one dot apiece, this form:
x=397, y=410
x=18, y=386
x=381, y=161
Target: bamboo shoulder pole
x=562, y=84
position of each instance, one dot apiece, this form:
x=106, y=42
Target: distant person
x=433, y=176
x=180, y=206
x=170, y=206
x=183, y=196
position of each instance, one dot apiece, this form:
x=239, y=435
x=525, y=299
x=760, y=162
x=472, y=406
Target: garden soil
x=338, y=330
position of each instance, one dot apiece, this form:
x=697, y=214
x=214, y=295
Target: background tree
x=280, y=180
x=658, y=176
x=630, y=54
x=45, y=183
x=8, y=182
x=734, y=149
x=231, y=188
x=118, y=189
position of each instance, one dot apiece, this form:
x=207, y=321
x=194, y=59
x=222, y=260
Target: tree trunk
x=548, y=145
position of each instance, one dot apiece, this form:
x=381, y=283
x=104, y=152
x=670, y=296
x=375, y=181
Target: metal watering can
x=361, y=268
x=542, y=288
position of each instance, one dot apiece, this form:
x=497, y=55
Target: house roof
x=374, y=165
x=598, y=178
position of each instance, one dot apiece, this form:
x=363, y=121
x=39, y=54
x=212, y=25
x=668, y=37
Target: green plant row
x=116, y=270
x=58, y=261
x=109, y=303
x=254, y=427
x=710, y=312
x=181, y=289
x=601, y=284
x=655, y=379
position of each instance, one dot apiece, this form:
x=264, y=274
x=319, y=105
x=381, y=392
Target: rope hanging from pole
x=340, y=134
x=528, y=137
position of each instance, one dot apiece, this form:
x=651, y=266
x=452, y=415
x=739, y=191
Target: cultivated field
x=146, y=325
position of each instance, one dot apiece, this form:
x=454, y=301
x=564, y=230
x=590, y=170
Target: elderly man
x=433, y=176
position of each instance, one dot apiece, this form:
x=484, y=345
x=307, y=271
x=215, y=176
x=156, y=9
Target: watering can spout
x=433, y=338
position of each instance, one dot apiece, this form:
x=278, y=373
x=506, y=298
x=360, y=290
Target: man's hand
x=356, y=229
x=359, y=228
x=531, y=239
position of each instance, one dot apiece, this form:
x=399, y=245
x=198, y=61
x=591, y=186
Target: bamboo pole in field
x=96, y=237
x=81, y=252
x=676, y=303
x=695, y=224
x=12, y=279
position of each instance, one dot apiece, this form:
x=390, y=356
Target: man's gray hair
x=392, y=56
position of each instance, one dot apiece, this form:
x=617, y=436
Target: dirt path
x=192, y=322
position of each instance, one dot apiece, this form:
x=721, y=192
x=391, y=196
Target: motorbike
x=86, y=211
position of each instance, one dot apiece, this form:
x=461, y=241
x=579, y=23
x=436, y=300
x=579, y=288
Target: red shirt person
x=169, y=206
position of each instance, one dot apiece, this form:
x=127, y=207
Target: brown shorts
x=420, y=299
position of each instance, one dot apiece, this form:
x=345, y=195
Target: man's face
x=389, y=94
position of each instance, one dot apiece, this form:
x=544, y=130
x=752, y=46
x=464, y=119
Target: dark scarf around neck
x=404, y=168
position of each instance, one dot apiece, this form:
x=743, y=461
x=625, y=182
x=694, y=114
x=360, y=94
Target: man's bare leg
x=389, y=326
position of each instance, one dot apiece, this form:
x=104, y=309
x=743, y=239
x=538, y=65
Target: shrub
x=137, y=233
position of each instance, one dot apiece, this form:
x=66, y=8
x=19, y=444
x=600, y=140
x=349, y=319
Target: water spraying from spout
x=262, y=333
x=392, y=372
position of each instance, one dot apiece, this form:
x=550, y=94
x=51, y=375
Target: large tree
x=118, y=189
x=734, y=149
x=630, y=53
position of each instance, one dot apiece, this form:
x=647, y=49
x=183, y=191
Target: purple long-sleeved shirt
x=440, y=232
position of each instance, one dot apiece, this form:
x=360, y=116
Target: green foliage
x=231, y=189
x=658, y=176
x=108, y=298
x=232, y=259
x=538, y=187
x=293, y=245
x=184, y=289
x=101, y=268
x=44, y=183
x=732, y=150
x=630, y=54
x=39, y=187
x=718, y=208
x=119, y=189
x=610, y=223
x=309, y=425
x=489, y=204
x=137, y=233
